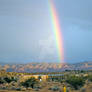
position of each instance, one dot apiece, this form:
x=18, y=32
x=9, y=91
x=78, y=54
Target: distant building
x=40, y=76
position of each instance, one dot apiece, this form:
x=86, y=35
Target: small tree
x=10, y=79
x=76, y=82
x=89, y=78
x=1, y=80
x=39, y=77
x=29, y=83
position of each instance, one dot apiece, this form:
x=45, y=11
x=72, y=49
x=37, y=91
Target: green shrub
x=37, y=86
x=13, y=88
x=7, y=79
x=10, y=79
x=29, y=83
x=18, y=89
x=89, y=78
x=15, y=79
x=54, y=88
x=2, y=80
x=36, y=89
x=76, y=82
x=83, y=90
x=39, y=77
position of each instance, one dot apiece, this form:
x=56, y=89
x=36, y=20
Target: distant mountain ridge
x=46, y=67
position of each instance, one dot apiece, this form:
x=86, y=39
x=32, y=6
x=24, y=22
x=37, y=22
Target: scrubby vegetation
x=78, y=81
x=7, y=79
x=75, y=81
x=89, y=77
x=29, y=83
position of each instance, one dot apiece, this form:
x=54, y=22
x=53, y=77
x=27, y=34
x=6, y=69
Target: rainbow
x=57, y=31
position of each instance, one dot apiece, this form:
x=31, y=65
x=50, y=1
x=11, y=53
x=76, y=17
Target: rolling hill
x=46, y=67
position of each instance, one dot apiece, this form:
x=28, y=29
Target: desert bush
x=4, y=88
x=10, y=79
x=76, y=82
x=50, y=88
x=7, y=79
x=29, y=83
x=23, y=89
x=55, y=79
x=29, y=88
x=37, y=86
x=36, y=89
x=18, y=89
x=13, y=88
x=89, y=78
x=83, y=90
x=39, y=77
x=15, y=79
x=2, y=80
x=54, y=88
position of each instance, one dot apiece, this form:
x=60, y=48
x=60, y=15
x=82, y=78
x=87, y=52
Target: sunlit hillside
x=46, y=67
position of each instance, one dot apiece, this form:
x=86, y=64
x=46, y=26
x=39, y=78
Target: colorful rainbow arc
x=57, y=31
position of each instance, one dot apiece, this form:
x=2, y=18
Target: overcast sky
x=26, y=34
